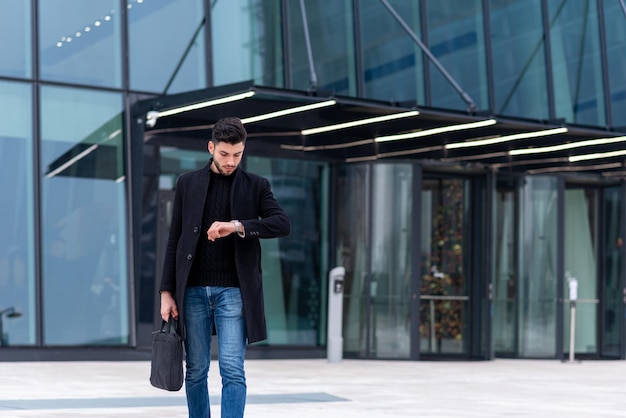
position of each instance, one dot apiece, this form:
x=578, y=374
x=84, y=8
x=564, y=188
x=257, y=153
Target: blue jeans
x=222, y=306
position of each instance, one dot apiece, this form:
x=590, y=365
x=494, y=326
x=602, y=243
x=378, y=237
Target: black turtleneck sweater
x=214, y=262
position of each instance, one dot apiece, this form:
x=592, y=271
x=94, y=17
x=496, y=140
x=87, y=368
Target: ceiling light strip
x=208, y=103
x=289, y=111
x=360, y=122
x=507, y=138
x=575, y=158
x=587, y=143
x=435, y=131
x=72, y=160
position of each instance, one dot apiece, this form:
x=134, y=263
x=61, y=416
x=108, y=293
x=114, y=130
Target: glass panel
x=538, y=268
x=581, y=229
x=576, y=65
x=444, y=287
x=519, y=64
x=159, y=35
x=332, y=42
x=83, y=218
x=504, y=318
x=15, y=24
x=616, y=60
x=611, y=316
x=390, y=285
x=456, y=38
x=80, y=41
x=294, y=268
x=353, y=185
x=392, y=62
x=17, y=259
x=247, y=42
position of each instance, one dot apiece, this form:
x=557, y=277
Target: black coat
x=254, y=205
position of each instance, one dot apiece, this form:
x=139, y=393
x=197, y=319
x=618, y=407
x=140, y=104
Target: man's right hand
x=168, y=306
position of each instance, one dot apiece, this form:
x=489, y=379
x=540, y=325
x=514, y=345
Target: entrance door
x=581, y=264
x=612, y=263
x=444, y=290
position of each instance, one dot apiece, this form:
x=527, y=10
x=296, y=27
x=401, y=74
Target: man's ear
x=211, y=147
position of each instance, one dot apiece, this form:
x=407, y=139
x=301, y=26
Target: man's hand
x=220, y=230
x=168, y=306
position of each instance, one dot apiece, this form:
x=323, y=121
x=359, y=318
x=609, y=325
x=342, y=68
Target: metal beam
x=309, y=51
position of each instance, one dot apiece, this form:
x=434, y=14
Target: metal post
x=334, y=345
x=572, y=329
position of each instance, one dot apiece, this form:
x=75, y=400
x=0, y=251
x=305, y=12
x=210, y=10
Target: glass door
x=581, y=265
x=444, y=300
x=612, y=305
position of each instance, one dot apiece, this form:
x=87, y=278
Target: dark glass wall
x=576, y=62
x=615, y=32
x=456, y=37
x=392, y=63
x=519, y=60
x=247, y=42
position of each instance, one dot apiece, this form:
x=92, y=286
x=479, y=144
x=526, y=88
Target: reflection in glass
x=456, y=38
x=576, y=63
x=505, y=307
x=390, y=284
x=15, y=32
x=332, y=42
x=17, y=261
x=80, y=42
x=294, y=270
x=519, y=64
x=612, y=260
x=538, y=266
x=616, y=61
x=443, y=291
x=247, y=42
x=85, y=280
x=581, y=229
x=353, y=185
x=392, y=62
x=159, y=35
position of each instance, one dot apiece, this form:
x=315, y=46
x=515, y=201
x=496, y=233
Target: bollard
x=334, y=345
x=573, y=295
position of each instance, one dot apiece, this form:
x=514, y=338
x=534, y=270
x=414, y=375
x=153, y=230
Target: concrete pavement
x=316, y=388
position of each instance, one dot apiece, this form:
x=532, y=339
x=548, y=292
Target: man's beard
x=219, y=168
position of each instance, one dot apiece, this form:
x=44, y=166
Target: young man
x=212, y=270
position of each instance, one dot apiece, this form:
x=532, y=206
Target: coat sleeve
x=168, y=278
x=273, y=222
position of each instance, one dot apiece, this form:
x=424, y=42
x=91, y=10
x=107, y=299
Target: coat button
x=195, y=229
x=188, y=256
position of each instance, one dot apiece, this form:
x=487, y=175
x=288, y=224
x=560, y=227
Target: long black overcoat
x=253, y=204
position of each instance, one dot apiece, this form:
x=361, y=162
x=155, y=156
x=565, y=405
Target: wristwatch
x=237, y=225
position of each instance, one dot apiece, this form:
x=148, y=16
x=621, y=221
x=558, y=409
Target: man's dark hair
x=229, y=130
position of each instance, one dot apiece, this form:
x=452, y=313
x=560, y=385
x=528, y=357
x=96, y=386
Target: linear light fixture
x=575, y=158
x=587, y=143
x=435, y=131
x=360, y=122
x=289, y=111
x=506, y=138
x=72, y=160
x=574, y=169
x=208, y=103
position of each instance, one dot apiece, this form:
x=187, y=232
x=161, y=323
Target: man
x=212, y=270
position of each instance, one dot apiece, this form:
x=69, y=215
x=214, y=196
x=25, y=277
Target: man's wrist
x=237, y=225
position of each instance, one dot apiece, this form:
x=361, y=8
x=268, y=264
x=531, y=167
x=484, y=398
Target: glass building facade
x=443, y=260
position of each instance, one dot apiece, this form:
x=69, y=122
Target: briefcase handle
x=171, y=324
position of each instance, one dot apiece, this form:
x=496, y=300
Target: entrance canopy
x=325, y=126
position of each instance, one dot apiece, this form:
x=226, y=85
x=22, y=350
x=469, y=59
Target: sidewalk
x=316, y=388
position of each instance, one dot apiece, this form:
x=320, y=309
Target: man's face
x=226, y=157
